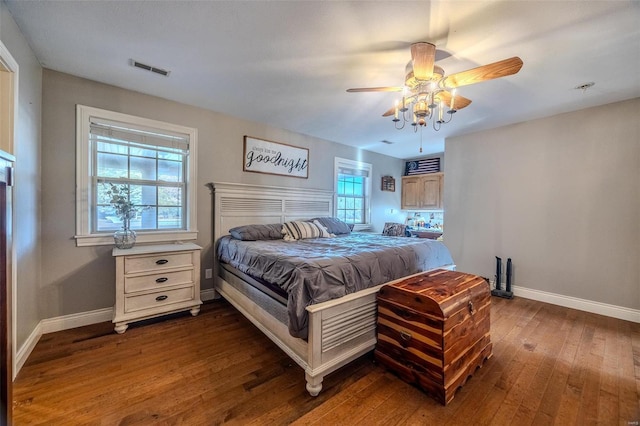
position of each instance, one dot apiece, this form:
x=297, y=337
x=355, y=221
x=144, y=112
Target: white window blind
x=153, y=161
x=353, y=191
x=149, y=165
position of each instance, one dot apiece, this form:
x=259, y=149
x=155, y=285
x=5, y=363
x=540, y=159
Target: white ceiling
x=288, y=63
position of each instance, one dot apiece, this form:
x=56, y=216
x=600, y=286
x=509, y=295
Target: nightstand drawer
x=158, y=281
x=160, y=298
x=163, y=260
x=155, y=280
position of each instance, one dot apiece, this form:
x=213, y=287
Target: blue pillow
x=334, y=225
x=257, y=232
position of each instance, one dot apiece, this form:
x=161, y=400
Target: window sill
x=142, y=238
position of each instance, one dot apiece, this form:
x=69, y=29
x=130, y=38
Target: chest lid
x=440, y=291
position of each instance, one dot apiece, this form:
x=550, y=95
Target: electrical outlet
x=208, y=273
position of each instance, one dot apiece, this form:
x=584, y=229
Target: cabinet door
x=411, y=189
x=430, y=192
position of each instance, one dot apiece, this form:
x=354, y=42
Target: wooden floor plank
x=609, y=375
x=629, y=402
x=520, y=405
x=562, y=361
x=505, y=364
x=549, y=365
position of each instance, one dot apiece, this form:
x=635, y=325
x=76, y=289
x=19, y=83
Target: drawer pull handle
x=405, y=336
x=161, y=261
x=471, y=308
x=162, y=280
x=161, y=298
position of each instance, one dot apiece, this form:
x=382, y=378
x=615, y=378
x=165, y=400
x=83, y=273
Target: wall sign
x=261, y=156
x=388, y=183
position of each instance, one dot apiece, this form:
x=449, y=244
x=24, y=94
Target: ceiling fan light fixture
x=427, y=92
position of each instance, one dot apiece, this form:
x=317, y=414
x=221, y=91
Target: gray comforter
x=320, y=269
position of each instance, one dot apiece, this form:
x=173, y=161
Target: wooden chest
x=433, y=329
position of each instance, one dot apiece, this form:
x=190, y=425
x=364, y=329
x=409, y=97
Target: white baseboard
x=51, y=325
x=66, y=322
x=619, y=312
x=209, y=294
x=26, y=349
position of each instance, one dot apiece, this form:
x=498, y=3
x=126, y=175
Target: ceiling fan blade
x=423, y=55
x=408, y=100
x=389, y=112
x=458, y=103
x=375, y=89
x=483, y=73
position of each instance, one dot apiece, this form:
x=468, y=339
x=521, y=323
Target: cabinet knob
x=161, y=298
x=161, y=261
x=162, y=280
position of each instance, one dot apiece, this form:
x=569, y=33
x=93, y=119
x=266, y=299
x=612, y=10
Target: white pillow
x=298, y=230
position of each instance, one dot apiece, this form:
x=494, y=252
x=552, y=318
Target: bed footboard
x=340, y=331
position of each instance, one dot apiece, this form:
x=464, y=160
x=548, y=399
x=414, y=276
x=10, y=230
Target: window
x=152, y=160
x=353, y=191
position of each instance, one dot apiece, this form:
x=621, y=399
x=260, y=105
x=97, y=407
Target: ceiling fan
x=427, y=91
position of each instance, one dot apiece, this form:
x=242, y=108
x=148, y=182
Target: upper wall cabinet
x=422, y=192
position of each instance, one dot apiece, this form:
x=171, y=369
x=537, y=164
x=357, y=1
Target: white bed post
x=314, y=353
x=214, y=237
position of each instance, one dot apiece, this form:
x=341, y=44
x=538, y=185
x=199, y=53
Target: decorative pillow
x=298, y=230
x=334, y=225
x=257, y=232
x=323, y=228
x=394, y=229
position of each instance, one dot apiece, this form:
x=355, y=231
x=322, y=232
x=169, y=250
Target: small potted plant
x=120, y=199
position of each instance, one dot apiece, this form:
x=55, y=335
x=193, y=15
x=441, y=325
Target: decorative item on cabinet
x=120, y=199
x=125, y=238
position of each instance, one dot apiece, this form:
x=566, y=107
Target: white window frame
x=84, y=195
x=356, y=165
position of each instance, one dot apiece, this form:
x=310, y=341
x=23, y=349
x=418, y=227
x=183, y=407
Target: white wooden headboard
x=236, y=204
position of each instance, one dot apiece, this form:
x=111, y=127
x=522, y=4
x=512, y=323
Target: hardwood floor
x=550, y=365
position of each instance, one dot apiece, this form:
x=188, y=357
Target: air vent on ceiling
x=387, y=142
x=150, y=68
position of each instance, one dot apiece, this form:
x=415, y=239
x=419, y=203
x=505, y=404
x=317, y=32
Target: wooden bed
x=340, y=330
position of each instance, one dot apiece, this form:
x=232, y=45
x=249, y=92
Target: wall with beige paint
x=26, y=202
x=560, y=196
x=80, y=279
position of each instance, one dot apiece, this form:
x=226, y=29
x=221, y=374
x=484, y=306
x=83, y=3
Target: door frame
x=9, y=106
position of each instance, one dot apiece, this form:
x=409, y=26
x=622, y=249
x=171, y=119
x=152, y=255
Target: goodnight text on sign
x=275, y=158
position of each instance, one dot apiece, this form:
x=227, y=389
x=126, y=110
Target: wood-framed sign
x=262, y=156
x=388, y=183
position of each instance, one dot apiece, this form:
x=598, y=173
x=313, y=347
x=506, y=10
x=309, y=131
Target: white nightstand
x=155, y=280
